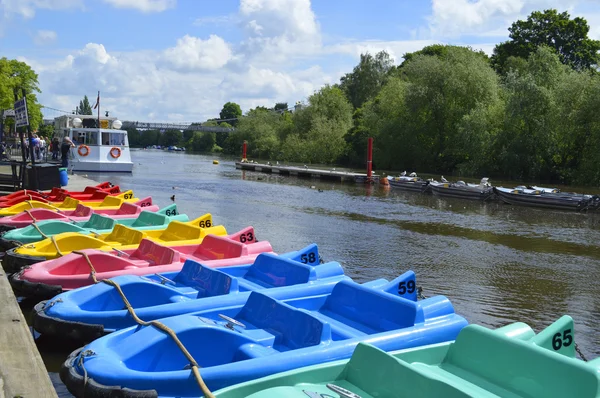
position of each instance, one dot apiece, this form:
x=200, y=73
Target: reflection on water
x=497, y=263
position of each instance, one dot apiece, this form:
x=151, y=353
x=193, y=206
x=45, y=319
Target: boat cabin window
x=113, y=138
x=85, y=137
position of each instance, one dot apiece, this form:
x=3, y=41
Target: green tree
x=135, y=137
x=568, y=37
x=527, y=145
x=441, y=91
x=436, y=50
x=260, y=128
x=16, y=76
x=319, y=128
x=149, y=138
x=46, y=130
x=364, y=82
x=170, y=138
x=281, y=106
x=187, y=136
x=231, y=110
x=84, y=107
x=388, y=120
x=203, y=141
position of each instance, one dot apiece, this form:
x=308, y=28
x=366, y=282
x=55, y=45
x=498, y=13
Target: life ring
x=115, y=152
x=83, y=150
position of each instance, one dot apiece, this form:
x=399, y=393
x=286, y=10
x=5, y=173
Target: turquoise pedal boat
x=510, y=362
x=97, y=224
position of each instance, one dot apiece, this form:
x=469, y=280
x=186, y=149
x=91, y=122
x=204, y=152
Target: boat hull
x=461, y=193
x=418, y=186
x=103, y=167
x=549, y=201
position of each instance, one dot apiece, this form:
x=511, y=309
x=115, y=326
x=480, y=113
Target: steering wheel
x=231, y=322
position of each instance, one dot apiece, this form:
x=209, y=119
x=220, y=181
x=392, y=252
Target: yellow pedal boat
x=69, y=204
x=177, y=233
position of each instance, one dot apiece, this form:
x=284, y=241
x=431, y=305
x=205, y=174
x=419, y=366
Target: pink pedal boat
x=80, y=213
x=46, y=279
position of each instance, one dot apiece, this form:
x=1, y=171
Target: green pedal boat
x=97, y=224
x=510, y=362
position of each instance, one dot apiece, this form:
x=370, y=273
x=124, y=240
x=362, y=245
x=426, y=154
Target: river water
x=497, y=263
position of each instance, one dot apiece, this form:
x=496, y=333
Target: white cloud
x=454, y=18
x=43, y=37
x=143, y=5
x=27, y=8
x=191, y=80
x=142, y=86
x=192, y=53
x=277, y=30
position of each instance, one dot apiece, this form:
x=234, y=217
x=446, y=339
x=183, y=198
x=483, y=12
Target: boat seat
x=82, y=211
x=155, y=253
x=270, y=270
x=124, y=235
x=485, y=358
x=99, y=222
x=215, y=247
x=353, y=306
x=177, y=230
x=69, y=203
x=98, y=195
x=397, y=374
x=111, y=201
x=207, y=281
x=292, y=328
x=128, y=208
x=148, y=219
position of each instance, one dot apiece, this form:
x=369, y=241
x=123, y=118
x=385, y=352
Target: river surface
x=497, y=263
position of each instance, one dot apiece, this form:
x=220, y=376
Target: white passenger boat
x=103, y=148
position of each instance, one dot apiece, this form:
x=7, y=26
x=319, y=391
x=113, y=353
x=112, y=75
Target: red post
x=244, y=147
x=370, y=159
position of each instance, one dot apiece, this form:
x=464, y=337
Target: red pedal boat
x=58, y=195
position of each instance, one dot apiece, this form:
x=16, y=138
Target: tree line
x=527, y=112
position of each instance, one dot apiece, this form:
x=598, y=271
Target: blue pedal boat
x=90, y=312
x=263, y=336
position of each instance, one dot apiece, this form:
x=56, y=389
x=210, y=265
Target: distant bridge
x=175, y=126
x=167, y=126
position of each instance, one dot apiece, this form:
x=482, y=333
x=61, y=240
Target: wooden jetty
x=306, y=172
x=22, y=372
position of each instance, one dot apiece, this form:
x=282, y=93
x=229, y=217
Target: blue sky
x=181, y=60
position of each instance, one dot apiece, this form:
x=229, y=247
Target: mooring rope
x=195, y=367
x=30, y=215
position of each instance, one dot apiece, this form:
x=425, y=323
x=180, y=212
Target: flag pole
x=98, y=105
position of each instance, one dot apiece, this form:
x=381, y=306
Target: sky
x=181, y=60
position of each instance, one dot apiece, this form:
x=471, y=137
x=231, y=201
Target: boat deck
x=306, y=172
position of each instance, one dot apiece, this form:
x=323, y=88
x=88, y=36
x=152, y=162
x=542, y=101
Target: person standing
x=55, y=148
x=35, y=141
x=65, y=148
